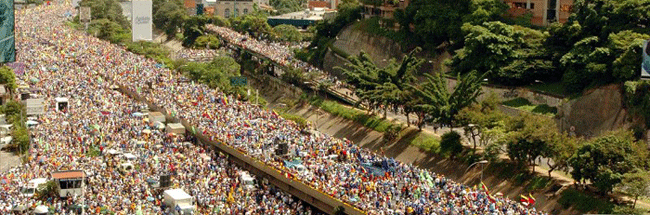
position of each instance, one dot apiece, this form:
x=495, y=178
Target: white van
x=179, y=201
x=32, y=186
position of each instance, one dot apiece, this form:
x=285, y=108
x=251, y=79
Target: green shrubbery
x=450, y=144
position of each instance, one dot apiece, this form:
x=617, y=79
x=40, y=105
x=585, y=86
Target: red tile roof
x=68, y=174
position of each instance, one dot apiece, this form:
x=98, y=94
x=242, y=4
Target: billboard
x=141, y=22
x=645, y=64
x=7, y=42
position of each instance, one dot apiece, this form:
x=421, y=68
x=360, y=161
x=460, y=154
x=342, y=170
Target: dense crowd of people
x=276, y=51
x=84, y=69
x=100, y=122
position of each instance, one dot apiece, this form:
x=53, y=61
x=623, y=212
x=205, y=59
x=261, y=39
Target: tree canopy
x=168, y=15
x=440, y=104
x=106, y=9
x=8, y=78
x=604, y=160
x=288, y=33
x=512, y=55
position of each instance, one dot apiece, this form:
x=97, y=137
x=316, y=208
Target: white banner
x=75, y=3
x=141, y=21
x=645, y=60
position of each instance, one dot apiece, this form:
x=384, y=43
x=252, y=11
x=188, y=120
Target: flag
x=524, y=199
x=531, y=200
x=485, y=188
x=491, y=198
x=230, y=198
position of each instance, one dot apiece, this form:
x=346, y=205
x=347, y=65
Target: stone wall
x=381, y=49
x=596, y=111
x=509, y=93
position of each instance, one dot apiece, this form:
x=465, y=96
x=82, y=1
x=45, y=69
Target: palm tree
x=440, y=104
x=388, y=86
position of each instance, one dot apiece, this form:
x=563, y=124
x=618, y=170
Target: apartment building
x=544, y=12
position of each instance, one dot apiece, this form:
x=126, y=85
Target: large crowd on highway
x=84, y=69
x=63, y=63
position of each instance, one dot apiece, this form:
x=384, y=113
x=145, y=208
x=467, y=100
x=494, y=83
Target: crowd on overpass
x=282, y=53
x=99, y=123
x=72, y=65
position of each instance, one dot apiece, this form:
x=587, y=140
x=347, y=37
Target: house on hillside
x=543, y=12
x=383, y=8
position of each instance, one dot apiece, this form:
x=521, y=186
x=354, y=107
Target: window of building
x=245, y=10
x=522, y=5
x=566, y=8
x=226, y=13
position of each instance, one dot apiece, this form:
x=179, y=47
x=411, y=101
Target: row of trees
x=14, y=112
x=394, y=86
x=599, y=44
x=608, y=161
x=614, y=159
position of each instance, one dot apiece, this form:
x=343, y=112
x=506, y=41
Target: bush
x=207, y=41
x=301, y=121
x=46, y=190
x=450, y=143
x=392, y=132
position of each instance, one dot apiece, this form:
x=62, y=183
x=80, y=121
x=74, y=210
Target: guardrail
x=306, y=193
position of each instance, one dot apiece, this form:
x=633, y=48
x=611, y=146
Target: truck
x=179, y=201
x=32, y=186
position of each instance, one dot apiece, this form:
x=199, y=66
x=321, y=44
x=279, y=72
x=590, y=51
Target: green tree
x=529, y=137
x=106, y=9
x=559, y=150
x=207, y=41
x=450, y=143
x=108, y=30
x=512, y=55
x=388, y=86
x=215, y=74
x=8, y=78
x=168, y=15
x=287, y=6
x=443, y=106
x=193, y=27
x=46, y=190
x=220, y=21
x=483, y=120
x=604, y=160
x=636, y=184
x=287, y=33
x=438, y=21
x=599, y=43
x=254, y=24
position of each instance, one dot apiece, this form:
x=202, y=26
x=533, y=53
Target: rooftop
x=68, y=174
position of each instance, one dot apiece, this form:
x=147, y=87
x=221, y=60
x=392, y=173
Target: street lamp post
x=482, y=167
